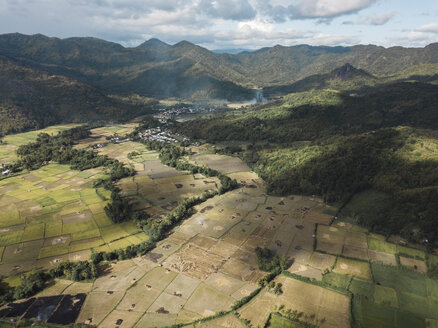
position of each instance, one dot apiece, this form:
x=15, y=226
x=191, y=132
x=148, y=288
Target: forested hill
x=186, y=70
x=31, y=98
x=346, y=78
x=321, y=113
x=376, y=154
x=153, y=69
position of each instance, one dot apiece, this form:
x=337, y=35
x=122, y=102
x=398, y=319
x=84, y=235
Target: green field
x=278, y=321
x=12, y=141
x=340, y=274
x=60, y=212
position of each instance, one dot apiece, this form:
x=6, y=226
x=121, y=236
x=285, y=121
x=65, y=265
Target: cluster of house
x=157, y=134
x=163, y=118
x=99, y=145
x=168, y=113
x=5, y=169
x=119, y=140
x=186, y=110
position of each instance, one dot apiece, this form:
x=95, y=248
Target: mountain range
x=96, y=70
x=115, y=68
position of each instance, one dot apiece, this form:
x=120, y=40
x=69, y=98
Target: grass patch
x=360, y=203
x=84, y=175
x=85, y=245
x=113, y=232
x=377, y=315
x=276, y=320
x=411, y=252
x=119, y=244
x=130, y=227
x=10, y=219
x=357, y=269
x=408, y=320
x=33, y=232
x=79, y=227
x=45, y=200
x=65, y=195
x=53, y=229
x=381, y=246
x=102, y=220
x=89, y=196
x=53, y=251
x=85, y=234
x=413, y=303
x=336, y=280
x=11, y=238
x=362, y=288
x=400, y=280
x=385, y=295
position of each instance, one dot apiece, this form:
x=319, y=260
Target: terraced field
x=208, y=263
x=53, y=214
x=339, y=273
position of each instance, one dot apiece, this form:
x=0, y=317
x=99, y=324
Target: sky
x=229, y=24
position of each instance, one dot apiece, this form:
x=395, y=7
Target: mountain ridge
x=91, y=59
x=31, y=98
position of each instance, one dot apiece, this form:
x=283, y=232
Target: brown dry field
x=208, y=262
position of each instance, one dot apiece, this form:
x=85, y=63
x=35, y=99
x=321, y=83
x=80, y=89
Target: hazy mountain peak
x=153, y=43
x=183, y=44
x=347, y=72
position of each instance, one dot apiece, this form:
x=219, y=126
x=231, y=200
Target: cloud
x=211, y=23
x=378, y=20
x=417, y=37
x=228, y=9
x=322, y=39
x=256, y=34
x=327, y=8
x=429, y=28
x=413, y=39
x=373, y=20
x=323, y=10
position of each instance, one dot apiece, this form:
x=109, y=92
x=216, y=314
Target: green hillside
x=328, y=143
x=183, y=70
x=31, y=98
x=345, y=78
x=321, y=113
x=353, y=80
x=186, y=70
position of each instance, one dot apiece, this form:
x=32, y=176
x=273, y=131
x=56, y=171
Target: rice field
x=208, y=262
x=53, y=212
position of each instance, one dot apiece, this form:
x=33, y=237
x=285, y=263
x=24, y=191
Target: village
x=162, y=135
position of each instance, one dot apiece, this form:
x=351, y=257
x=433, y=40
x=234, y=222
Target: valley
x=173, y=186
x=200, y=272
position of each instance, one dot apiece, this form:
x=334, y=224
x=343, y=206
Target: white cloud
x=373, y=20
x=228, y=9
x=379, y=19
x=311, y=9
x=211, y=23
x=413, y=39
x=256, y=34
x=322, y=39
x=429, y=28
x=327, y=8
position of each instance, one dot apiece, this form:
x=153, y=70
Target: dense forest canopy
x=380, y=149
